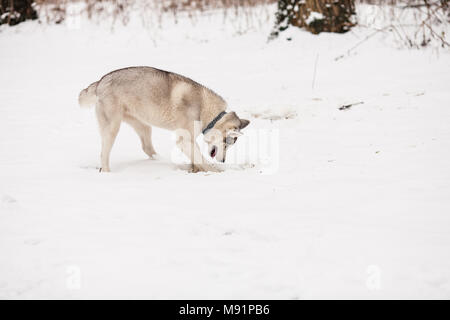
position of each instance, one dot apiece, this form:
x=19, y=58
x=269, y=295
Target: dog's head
x=224, y=135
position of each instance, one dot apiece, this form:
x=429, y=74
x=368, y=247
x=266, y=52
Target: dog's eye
x=230, y=140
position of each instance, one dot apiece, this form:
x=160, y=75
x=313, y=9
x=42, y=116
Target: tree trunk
x=13, y=12
x=315, y=16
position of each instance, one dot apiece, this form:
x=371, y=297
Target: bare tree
x=412, y=23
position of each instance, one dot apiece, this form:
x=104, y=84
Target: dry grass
x=413, y=23
x=152, y=12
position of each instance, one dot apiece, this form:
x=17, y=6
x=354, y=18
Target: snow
x=313, y=16
x=356, y=206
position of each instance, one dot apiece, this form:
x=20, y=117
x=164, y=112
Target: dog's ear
x=244, y=123
x=234, y=134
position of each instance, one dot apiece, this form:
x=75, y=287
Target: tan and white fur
x=144, y=97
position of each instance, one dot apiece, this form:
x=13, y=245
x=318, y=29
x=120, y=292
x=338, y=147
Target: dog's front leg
x=187, y=144
x=199, y=163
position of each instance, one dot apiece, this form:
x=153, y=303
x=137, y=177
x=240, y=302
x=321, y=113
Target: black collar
x=213, y=122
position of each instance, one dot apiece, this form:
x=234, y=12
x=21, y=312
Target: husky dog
x=144, y=97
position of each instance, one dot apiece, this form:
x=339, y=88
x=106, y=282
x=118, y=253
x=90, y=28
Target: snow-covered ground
x=357, y=204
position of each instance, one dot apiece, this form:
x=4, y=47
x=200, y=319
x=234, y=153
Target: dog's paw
x=204, y=168
x=214, y=169
x=195, y=169
x=151, y=153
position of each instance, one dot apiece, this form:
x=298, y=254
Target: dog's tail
x=88, y=96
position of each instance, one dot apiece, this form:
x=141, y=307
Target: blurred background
x=414, y=23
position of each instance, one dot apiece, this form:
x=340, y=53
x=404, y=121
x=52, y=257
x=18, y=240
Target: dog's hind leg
x=109, y=124
x=144, y=132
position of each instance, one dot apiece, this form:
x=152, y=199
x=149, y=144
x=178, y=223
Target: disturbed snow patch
x=283, y=113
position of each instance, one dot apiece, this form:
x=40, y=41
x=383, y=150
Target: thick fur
x=88, y=97
x=145, y=97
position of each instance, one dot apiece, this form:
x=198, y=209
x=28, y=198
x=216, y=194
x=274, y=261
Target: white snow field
x=353, y=203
